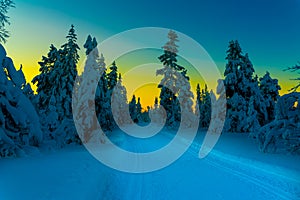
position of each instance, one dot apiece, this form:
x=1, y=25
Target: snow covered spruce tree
x=132, y=109
x=282, y=134
x=234, y=60
x=117, y=96
x=249, y=89
x=19, y=122
x=90, y=44
x=119, y=103
x=92, y=69
x=139, y=110
x=102, y=98
x=236, y=104
x=156, y=113
x=205, y=109
x=56, y=80
x=246, y=108
x=135, y=109
x=67, y=73
x=112, y=79
x=175, y=84
x=203, y=106
x=42, y=81
x=270, y=90
x=112, y=76
x=198, y=100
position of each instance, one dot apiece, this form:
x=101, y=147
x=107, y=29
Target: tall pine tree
x=84, y=103
x=102, y=98
x=241, y=91
x=90, y=44
x=139, y=110
x=205, y=110
x=112, y=76
x=56, y=80
x=132, y=109
x=198, y=101
x=65, y=74
x=43, y=81
x=175, y=83
x=270, y=90
x=119, y=103
x=234, y=61
x=112, y=80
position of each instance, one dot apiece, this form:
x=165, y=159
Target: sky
x=268, y=30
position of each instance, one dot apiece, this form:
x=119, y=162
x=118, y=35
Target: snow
x=282, y=134
x=19, y=122
x=234, y=169
x=175, y=95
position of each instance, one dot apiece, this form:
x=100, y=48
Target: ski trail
x=116, y=181
x=272, y=181
x=75, y=174
x=281, y=183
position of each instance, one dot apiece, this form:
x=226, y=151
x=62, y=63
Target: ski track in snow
x=282, y=186
x=278, y=184
x=74, y=174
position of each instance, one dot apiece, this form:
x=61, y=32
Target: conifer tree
x=56, y=80
x=19, y=122
x=242, y=90
x=64, y=75
x=43, y=81
x=270, y=90
x=234, y=61
x=85, y=98
x=156, y=113
x=175, y=83
x=112, y=76
x=198, y=100
x=102, y=98
x=90, y=44
x=139, y=110
x=119, y=103
x=133, y=109
x=248, y=87
x=111, y=80
x=205, y=110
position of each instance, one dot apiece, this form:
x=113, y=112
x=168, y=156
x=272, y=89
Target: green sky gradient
x=267, y=30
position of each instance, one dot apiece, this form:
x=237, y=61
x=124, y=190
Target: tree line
x=45, y=119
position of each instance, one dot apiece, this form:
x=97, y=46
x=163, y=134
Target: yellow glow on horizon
x=33, y=29
x=30, y=56
x=147, y=93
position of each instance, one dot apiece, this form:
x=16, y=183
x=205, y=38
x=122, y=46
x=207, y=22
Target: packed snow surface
x=235, y=169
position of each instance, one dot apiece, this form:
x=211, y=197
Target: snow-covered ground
x=235, y=169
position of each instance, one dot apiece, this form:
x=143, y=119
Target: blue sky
x=267, y=29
